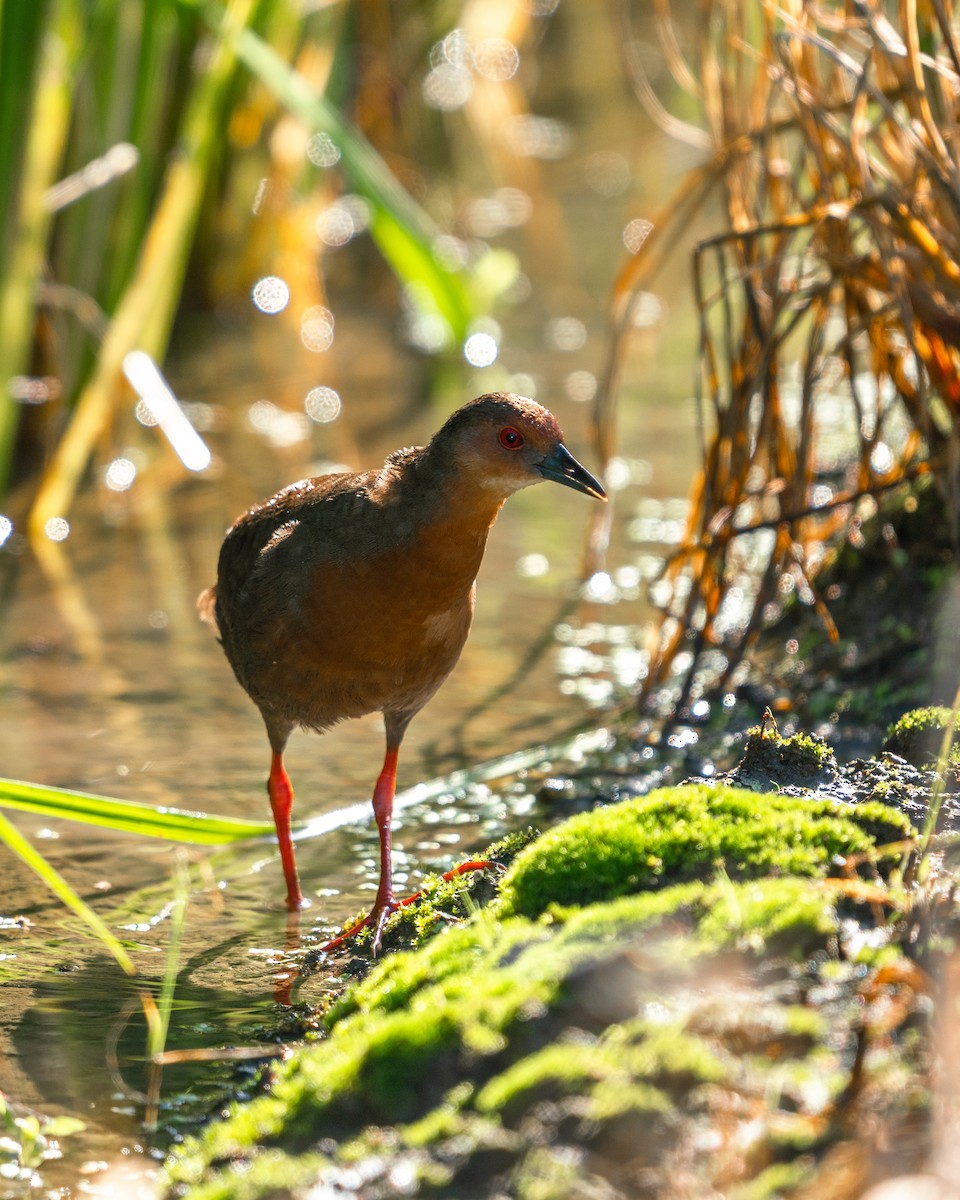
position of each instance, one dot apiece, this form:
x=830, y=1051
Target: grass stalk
x=144, y=316
x=64, y=892
x=26, y=247
x=127, y=816
x=401, y=229
x=158, y=1016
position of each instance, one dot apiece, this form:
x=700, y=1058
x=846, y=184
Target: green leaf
x=174, y=824
x=63, y=891
x=402, y=230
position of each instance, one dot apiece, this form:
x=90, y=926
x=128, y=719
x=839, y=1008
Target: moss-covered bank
x=672, y=995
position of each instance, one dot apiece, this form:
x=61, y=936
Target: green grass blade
x=157, y=1039
x=174, y=824
x=26, y=246
x=63, y=891
x=402, y=230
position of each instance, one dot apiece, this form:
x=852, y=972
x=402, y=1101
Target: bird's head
x=505, y=442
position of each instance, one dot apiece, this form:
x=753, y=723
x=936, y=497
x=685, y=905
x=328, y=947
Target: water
x=109, y=684
x=150, y=711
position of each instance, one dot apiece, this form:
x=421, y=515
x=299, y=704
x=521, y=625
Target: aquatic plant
x=829, y=299
x=158, y=109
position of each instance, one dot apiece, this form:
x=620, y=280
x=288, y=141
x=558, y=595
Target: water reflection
x=109, y=684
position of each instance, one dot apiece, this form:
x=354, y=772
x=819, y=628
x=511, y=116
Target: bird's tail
x=207, y=606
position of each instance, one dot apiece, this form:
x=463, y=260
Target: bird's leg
x=385, y=903
x=280, y=791
x=383, y=793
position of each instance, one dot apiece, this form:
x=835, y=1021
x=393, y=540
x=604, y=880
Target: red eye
x=510, y=438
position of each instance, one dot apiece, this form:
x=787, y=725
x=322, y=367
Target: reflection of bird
x=351, y=594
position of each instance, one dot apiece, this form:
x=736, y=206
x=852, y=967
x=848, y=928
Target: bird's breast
x=355, y=617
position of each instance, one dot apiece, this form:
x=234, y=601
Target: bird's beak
x=562, y=467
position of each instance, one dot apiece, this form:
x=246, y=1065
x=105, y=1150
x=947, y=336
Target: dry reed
x=829, y=303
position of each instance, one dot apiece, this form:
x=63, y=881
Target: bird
x=349, y=594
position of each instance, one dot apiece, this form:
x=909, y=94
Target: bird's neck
x=455, y=515
x=452, y=497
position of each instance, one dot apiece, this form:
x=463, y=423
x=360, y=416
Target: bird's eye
x=510, y=438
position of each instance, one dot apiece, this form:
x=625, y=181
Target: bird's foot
x=383, y=910
x=378, y=917
x=475, y=864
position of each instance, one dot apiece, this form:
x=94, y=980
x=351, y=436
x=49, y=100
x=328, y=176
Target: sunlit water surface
x=109, y=684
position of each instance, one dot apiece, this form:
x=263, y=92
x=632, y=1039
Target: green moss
x=553, y=1173
x=606, y=1074
x=771, y=760
x=268, y=1172
x=537, y=998
x=684, y=833
x=445, y=1121
x=768, y=914
x=919, y=734
x=441, y=899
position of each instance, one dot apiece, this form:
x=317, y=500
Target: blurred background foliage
x=822, y=179
x=132, y=137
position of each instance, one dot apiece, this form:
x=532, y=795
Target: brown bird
x=351, y=594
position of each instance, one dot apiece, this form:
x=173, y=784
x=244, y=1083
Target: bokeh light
x=316, y=328
x=323, y=151
x=566, y=333
x=343, y=220
x=144, y=414
x=533, y=566
x=881, y=458
x=522, y=384
x=270, y=294
x=496, y=59
x=146, y=379
x=601, y=589
x=449, y=83
x=32, y=389
x=279, y=427
x=57, y=529
x=120, y=474
x=528, y=136
x=480, y=349
x=322, y=404
x=448, y=88
x=580, y=386
x=635, y=233
x=453, y=49
x=427, y=332
x=648, y=310
x=452, y=253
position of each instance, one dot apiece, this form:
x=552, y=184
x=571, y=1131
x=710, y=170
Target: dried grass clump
x=830, y=305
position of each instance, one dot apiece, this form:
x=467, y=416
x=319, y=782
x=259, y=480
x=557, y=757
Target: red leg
x=281, y=801
x=383, y=794
x=385, y=903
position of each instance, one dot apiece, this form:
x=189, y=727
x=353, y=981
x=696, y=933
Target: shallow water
x=150, y=711
x=109, y=684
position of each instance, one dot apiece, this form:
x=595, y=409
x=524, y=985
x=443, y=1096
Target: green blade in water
x=174, y=824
